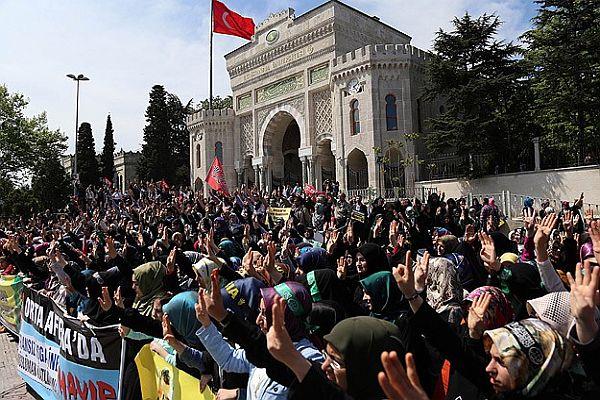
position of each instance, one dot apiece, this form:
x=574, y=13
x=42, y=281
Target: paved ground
x=11, y=385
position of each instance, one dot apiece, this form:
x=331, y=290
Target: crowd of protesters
x=413, y=299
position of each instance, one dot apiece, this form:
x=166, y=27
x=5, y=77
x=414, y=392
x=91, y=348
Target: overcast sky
x=127, y=46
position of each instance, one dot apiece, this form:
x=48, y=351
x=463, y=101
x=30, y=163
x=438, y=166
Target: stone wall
x=558, y=184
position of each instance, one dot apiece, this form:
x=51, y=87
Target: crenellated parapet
x=275, y=18
x=379, y=56
x=210, y=121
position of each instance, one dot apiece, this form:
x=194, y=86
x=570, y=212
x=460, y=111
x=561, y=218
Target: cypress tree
x=155, y=161
x=107, y=158
x=87, y=164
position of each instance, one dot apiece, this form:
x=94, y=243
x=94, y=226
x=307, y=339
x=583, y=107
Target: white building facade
x=330, y=94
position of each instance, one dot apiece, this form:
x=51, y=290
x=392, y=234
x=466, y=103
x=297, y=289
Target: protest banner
x=60, y=357
x=279, y=213
x=10, y=302
x=160, y=380
x=358, y=216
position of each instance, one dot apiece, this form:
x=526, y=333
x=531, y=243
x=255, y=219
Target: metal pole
x=76, y=127
x=210, y=68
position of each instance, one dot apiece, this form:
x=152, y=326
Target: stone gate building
x=313, y=96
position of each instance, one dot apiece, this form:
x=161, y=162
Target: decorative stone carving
x=322, y=113
x=262, y=115
x=297, y=103
x=247, y=135
x=280, y=88
x=244, y=101
x=318, y=74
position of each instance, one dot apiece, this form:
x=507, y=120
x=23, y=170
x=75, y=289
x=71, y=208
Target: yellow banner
x=10, y=301
x=162, y=381
x=279, y=212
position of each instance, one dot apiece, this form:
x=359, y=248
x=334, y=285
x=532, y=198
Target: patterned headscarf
x=443, y=287
x=499, y=312
x=203, y=269
x=532, y=351
x=554, y=309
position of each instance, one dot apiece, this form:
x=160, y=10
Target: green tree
x=165, y=151
x=50, y=184
x=218, y=103
x=481, y=81
x=107, y=159
x=23, y=140
x=564, y=58
x=87, y=164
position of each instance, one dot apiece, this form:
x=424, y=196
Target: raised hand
x=214, y=300
x=377, y=229
x=398, y=384
x=279, y=343
x=529, y=221
x=393, y=234
x=118, y=298
x=169, y=336
x=110, y=248
x=488, y=252
x=403, y=274
x=201, y=309
x=544, y=229
x=470, y=234
x=476, y=318
x=420, y=272
x=567, y=223
x=584, y=300
x=332, y=242
x=105, y=301
x=341, y=268
x=594, y=232
x=171, y=261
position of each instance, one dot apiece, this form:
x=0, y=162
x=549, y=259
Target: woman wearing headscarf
x=525, y=355
x=268, y=378
x=323, y=284
x=370, y=258
x=384, y=299
x=353, y=360
x=147, y=282
x=312, y=258
x=444, y=291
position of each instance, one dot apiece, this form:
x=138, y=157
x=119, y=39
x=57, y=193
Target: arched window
x=391, y=115
x=219, y=151
x=355, y=117
x=197, y=156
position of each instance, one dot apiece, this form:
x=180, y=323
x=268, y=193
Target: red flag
x=164, y=185
x=230, y=23
x=216, y=177
x=107, y=182
x=309, y=190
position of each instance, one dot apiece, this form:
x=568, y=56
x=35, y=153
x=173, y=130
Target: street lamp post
x=77, y=79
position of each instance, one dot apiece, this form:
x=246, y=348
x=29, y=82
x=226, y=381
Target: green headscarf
x=386, y=298
x=360, y=341
x=149, y=279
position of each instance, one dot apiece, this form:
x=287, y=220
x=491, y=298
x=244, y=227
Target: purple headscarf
x=298, y=306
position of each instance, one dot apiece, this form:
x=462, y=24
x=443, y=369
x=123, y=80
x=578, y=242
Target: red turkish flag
x=230, y=23
x=216, y=177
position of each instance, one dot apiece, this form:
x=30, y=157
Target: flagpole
x=210, y=68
